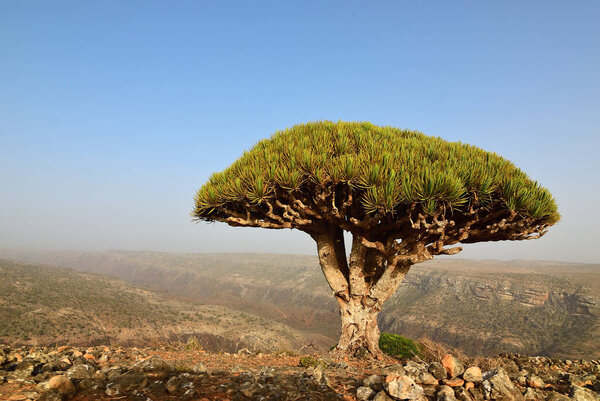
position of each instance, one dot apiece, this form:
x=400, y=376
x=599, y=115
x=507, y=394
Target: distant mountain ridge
x=479, y=306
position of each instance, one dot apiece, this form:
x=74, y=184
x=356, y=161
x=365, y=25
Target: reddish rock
x=455, y=382
x=453, y=366
x=535, y=382
x=469, y=385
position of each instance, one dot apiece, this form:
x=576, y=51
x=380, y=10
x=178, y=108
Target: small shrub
x=398, y=346
x=311, y=361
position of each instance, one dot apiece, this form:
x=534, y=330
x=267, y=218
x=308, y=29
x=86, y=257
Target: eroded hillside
x=481, y=307
x=42, y=305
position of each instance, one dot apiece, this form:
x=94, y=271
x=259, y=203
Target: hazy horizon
x=441, y=257
x=112, y=114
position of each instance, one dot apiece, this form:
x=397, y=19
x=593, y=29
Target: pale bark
x=360, y=286
x=359, y=327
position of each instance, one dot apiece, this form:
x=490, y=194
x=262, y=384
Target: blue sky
x=113, y=113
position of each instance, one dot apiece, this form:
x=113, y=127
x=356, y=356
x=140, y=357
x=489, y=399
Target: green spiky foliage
x=369, y=179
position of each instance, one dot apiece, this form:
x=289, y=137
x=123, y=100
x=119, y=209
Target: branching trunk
x=360, y=287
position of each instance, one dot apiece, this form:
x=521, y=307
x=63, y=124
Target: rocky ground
x=103, y=373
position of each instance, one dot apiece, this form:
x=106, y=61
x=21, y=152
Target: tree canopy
x=362, y=177
x=404, y=196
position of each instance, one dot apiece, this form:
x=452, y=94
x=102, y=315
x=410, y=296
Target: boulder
x=396, y=369
x=80, y=372
x=500, y=386
x=583, y=394
x=60, y=384
x=445, y=393
x=437, y=370
x=382, y=396
x=375, y=382
x=554, y=396
x=404, y=388
x=363, y=393
x=455, y=382
x=473, y=374
x=463, y=395
x=199, y=368
x=535, y=381
x=154, y=367
x=453, y=366
x=532, y=394
x=427, y=378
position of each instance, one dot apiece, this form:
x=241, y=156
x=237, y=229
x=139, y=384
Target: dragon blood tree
x=403, y=196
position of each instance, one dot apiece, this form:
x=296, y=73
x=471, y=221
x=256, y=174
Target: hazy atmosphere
x=112, y=114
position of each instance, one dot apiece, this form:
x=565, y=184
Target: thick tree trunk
x=361, y=286
x=360, y=332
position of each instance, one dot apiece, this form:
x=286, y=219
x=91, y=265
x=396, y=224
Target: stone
x=486, y=389
x=535, y=381
x=50, y=396
x=393, y=370
x=445, y=393
x=437, y=370
x=112, y=389
x=19, y=375
x=154, y=367
x=318, y=375
x=61, y=384
x=190, y=394
x=429, y=390
x=382, y=396
x=129, y=381
x=414, y=369
x=173, y=385
x=427, y=378
x=404, y=388
x=532, y=394
x=473, y=374
x=455, y=382
x=17, y=397
x=463, y=395
x=453, y=366
x=583, y=394
x=364, y=393
x=554, y=396
x=80, y=372
x=199, y=368
x=502, y=389
x=375, y=382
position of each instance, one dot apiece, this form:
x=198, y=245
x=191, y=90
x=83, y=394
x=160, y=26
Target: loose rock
x=453, y=366
x=473, y=374
x=404, y=388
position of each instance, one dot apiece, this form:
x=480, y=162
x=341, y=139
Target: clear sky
x=113, y=113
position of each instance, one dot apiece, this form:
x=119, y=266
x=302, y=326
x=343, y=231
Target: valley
x=482, y=307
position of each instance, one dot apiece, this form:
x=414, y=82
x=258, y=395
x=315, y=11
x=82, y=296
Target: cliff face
x=484, y=312
x=481, y=307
